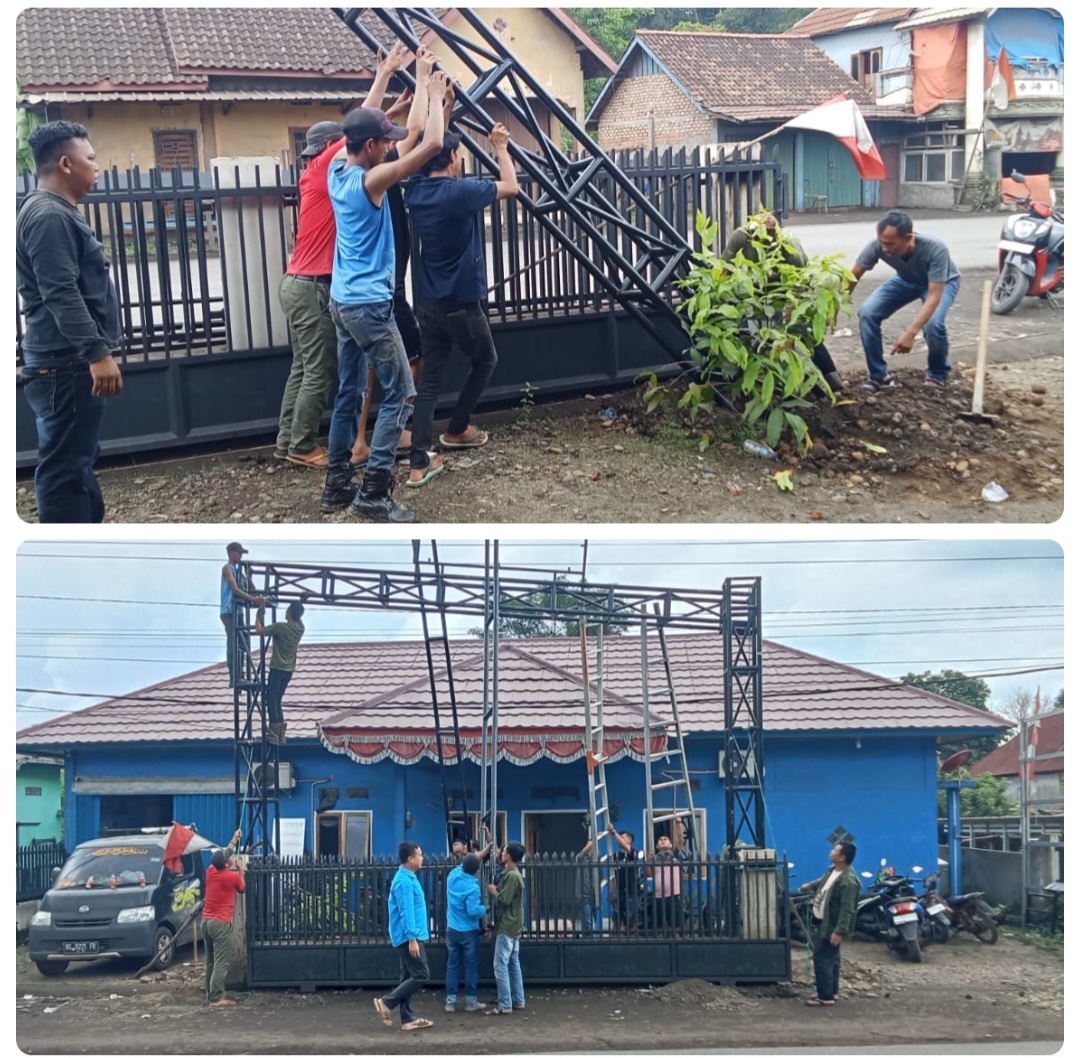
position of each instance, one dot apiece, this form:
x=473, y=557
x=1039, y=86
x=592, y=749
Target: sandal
x=433, y=470
x=317, y=458
x=815, y=1002
x=383, y=1011
x=281, y=454
x=475, y=438
x=497, y=1011
x=419, y=1023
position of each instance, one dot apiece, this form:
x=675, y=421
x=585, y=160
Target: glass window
x=935, y=168
x=117, y=864
x=913, y=168
x=958, y=165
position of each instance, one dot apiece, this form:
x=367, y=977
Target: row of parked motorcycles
x=891, y=910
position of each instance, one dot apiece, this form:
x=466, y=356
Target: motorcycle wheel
x=941, y=932
x=1009, y=290
x=984, y=927
x=914, y=950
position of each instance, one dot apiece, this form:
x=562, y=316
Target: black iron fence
x=197, y=258
x=326, y=921
x=33, y=869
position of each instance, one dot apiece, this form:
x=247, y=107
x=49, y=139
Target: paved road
x=971, y=238
x=1022, y=1047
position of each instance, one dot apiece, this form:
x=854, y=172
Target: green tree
x=25, y=122
x=518, y=620
x=1059, y=701
x=960, y=688
x=989, y=797
x=758, y=19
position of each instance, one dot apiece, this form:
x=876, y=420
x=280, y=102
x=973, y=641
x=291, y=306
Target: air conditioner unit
x=286, y=776
x=750, y=773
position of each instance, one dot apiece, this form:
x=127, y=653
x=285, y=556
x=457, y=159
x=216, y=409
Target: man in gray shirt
x=924, y=271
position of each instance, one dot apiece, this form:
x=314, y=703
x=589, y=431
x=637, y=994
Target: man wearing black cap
x=234, y=586
x=304, y=291
x=362, y=301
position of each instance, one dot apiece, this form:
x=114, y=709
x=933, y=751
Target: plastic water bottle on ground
x=994, y=493
x=758, y=448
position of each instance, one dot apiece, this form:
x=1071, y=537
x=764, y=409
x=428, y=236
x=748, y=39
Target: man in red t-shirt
x=223, y=881
x=304, y=290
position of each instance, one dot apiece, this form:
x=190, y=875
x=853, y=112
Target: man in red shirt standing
x=304, y=290
x=223, y=881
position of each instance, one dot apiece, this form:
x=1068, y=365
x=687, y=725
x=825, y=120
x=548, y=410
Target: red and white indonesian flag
x=840, y=117
x=181, y=841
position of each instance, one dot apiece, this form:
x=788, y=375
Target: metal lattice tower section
x=735, y=612
x=587, y=204
x=457, y=819
x=255, y=758
x=743, y=756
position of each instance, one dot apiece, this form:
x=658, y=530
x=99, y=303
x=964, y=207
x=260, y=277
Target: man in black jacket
x=72, y=323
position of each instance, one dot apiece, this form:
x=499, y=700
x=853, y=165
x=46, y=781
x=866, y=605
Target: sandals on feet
x=475, y=438
x=419, y=1023
x=383, y=1011
x=815, y=1002
x=433, y=470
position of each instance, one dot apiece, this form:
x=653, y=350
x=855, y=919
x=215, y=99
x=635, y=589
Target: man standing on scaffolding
x=235, y=585
x=286, y=636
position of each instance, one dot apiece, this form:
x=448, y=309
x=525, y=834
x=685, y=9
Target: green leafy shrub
x=753, y=326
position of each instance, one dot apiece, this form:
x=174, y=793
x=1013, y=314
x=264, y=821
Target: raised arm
x=425, y=62
x=507, y=184
x=386, y=65
x=378, y=179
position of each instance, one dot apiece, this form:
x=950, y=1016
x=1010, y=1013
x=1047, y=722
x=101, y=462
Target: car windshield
x=118, y=865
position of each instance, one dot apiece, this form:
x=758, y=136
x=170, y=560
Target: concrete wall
x=895, y=47
x=675, y=122
x=1001, y=874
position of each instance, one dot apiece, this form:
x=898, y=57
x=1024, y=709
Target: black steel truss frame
x=578, y=194
x=735, y=612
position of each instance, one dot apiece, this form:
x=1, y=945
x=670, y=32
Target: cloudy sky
x=94, y=619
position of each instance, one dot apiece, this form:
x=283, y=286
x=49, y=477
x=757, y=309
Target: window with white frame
x=934, y=156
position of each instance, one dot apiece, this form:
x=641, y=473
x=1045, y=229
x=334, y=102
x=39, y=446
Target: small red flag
x=179, y=839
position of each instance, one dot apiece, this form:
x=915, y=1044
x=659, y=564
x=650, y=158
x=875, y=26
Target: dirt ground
x=566, y=463
x=963, y=992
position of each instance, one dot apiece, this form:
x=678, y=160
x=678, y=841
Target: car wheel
x=164, y=949
x=50, y=968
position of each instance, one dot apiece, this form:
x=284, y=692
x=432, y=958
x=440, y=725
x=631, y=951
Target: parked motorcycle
x=1031, y=253
x=968, y=913
x=891, y=912
x=937, y=924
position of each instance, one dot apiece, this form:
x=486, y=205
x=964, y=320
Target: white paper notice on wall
x=292, y=837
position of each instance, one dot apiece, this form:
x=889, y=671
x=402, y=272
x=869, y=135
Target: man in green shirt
x=286, y=636
x=509, y=922
x=836, y=897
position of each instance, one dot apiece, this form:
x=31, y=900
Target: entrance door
x=552, y=904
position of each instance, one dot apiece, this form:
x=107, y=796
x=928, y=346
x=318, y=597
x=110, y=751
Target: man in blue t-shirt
x=362, y=299
x=447, y=213
x=924, y=271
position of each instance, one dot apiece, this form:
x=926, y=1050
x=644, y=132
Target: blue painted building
x=844, y=750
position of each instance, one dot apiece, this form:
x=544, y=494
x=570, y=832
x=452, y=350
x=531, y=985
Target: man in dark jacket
x=835, y=901
x=72, y=320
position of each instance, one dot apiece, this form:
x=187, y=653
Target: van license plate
x=80, y=947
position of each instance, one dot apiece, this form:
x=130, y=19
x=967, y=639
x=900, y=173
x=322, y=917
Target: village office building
x=845, y=750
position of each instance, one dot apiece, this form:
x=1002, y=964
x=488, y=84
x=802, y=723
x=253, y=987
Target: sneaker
x=472, y=1006
x=872, y=385
x=450, y=1007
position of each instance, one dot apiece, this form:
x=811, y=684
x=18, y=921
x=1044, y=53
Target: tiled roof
x=383, y=687
x=131, y=46
x=936, y=16
x=759, y=71
x=1005, y=760
x=827, y=20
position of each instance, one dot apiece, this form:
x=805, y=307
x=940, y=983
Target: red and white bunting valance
x=516, y=747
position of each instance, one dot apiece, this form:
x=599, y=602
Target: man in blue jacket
x=465, y=913
x=408, y=931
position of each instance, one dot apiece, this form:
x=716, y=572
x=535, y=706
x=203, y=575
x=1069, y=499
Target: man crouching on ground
x=362, y=302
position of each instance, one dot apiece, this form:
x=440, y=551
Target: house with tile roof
x=938, y=63
x=1049, y=781
x=684, y=89
x=360, y=767
x=181, y=85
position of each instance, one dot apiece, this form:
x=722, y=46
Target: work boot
x=340, y=490
x=373, y=500
x=836, y=383
x=275, y=733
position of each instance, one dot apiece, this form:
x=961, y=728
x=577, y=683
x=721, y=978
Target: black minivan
x=115, y=899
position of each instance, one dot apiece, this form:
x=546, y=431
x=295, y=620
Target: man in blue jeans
x=362, y=301
x=925, y=272
x=72, y=323
x=465, y=913
x=509, y=923
x=447, y=213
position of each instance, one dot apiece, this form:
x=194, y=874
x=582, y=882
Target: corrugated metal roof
x=383, y=687
x=723, y=71
x=827, y=20
x=1005, y=760
x=934, y=16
